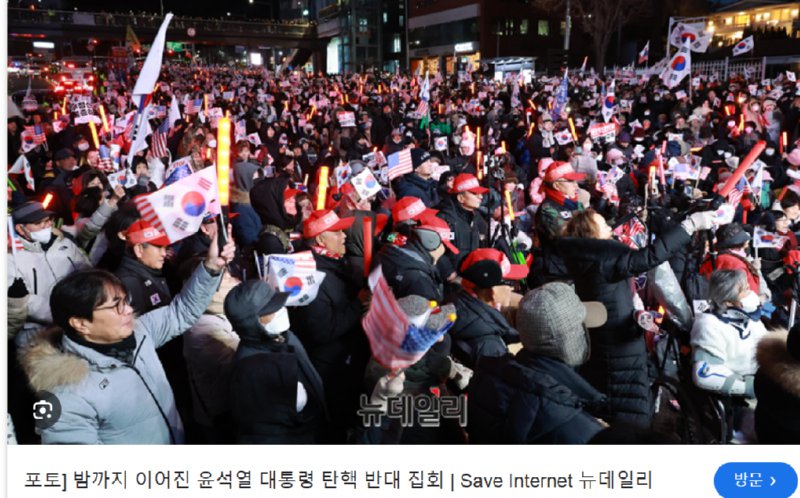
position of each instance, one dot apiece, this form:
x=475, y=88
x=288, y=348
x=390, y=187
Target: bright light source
x=305, y=12
x=44, y=44
x=256, y=59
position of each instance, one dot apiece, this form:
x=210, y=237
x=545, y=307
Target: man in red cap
x=459, y=210
x=330, y=325
x=487, y=279
x=561, y=200
x=141, y=268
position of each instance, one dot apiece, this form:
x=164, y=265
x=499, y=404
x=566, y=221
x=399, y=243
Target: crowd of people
x=572, y=225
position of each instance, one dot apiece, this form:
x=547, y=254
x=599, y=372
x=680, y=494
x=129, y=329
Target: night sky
x=237, y=8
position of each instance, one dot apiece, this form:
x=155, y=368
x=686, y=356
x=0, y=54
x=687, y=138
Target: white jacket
x=41, y=270
x=723, y=341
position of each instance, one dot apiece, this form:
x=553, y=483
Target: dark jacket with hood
x=777, y=387
x=531, y=399
x=266, y=197
x=479, y=331
x=264, y=379
x=354, y=244
x=410, y=270
x=147, y=287
x=247, y=224
x=602, y=271
x=330, y=329
x=412, y=185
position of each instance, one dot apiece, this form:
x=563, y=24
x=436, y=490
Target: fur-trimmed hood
x=776, y=363
x=48, y=366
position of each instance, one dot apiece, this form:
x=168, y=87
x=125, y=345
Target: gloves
x=17, y=289
x=792, y=261
x=459, y=374
x=647, y=320
x=388, y=386
x=698, y=221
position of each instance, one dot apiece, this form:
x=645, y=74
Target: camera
x=42, y=410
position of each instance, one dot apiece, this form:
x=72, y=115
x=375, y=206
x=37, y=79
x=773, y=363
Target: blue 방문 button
x=761, y=479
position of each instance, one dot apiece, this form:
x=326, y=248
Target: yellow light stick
x=322, y=188
x=509, y=205
x=93, y=129
x=103, y=119
x=224, y=160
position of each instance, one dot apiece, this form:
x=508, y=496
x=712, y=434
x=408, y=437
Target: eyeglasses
x=118, y=305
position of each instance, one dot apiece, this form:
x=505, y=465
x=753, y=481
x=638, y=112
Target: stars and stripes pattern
x=399, y=164
x=159, y=140
x=193, y=106
x=741, y=189
x=644, y=55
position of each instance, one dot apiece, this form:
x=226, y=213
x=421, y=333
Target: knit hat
x=419, y=156
x=551, y=320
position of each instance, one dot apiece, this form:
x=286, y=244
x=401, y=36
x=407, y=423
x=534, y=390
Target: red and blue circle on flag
x=741, y=45
x=679, y=63
x=293, y=285
x=609, y=102
x=689, y=35
x=193, y=203
x=370, y=183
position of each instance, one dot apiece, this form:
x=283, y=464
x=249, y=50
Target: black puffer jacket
x=531, y=399
x=410, y=270
x=412, y=185
x=330, y=329
x=479, y=331
x=602, y=271
x=147, y=288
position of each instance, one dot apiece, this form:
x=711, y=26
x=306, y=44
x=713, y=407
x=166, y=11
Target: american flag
x=159, y=140
x=742, y=188
x=193, y=106
x=422, y=109
x=387, y=327
x=36, y=133
x=399, y=164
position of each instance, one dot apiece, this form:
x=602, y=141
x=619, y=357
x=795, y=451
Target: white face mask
x=279, y=324
x=750, y=302
x=42, y=236
x=756, y=108
x=83, y=146
x=212, y=144
x=748, y=129
x=770, y=152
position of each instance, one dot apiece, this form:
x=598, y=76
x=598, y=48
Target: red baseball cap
x=438, y=225
x=324, y=221
x=467, y=183
x=142, y=232
x=489, y=267
x=290, y=192
x=562, y=171
x=410, y=208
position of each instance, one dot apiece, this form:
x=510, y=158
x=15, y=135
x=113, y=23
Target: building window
x=401, y=21
x=543, y=28
x=396, y=44
x=562, y=28
x=523, y=27
x=728, y=21
x=385, y=18
x=742, y=20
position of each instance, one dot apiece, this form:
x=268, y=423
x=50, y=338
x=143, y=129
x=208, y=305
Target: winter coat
x=246, y=224
x=106, y=401
x=602, y=271
x=531, y=399
x=548, y=264
x=41, y=268
x=723, y=341
x=354, y=245
x=266, y=197
x=412, y=185
x=330, y=329
x=147, y=287
x=410, y=270
x=464, y=226
x=728, y=261
x=479, y=331
x=209, y=347
x=777, y=388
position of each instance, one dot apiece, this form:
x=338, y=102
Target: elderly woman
x=602, y=269
x=724, y=340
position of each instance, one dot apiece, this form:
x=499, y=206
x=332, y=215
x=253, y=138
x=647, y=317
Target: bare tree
x=600, y=19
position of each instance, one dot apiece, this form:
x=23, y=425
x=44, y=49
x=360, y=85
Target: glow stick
x=93, y=129
x=322, y=188
x=509, y=205
x=224, y=160
x=103, y=119
x=748, y=160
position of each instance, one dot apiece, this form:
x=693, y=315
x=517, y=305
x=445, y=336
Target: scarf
x=739, y=319
x=397, y=239
x=324, y=252
x=561, y=199
x=122, y=350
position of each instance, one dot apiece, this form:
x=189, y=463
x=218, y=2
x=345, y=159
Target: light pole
x=568, y=26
